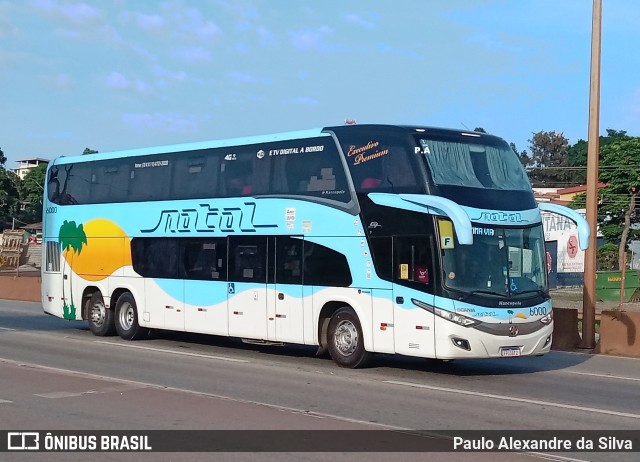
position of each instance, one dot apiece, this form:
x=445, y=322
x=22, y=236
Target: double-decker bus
x=359, y=239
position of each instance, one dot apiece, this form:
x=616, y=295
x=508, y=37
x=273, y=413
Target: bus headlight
x=455, y=317
x=547, y=318
x=444, y=314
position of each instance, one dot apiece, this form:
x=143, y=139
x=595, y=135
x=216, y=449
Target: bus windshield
x=503, y=262
x=465, y=161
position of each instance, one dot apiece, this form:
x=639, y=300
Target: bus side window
x=248, y=256
x=382, y=252
x=412, y=260
x=205, y=259
x=288, y=260
x=325, y=267
x=155, y=257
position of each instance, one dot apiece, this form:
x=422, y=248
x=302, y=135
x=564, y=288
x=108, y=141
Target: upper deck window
x=485, y=163
x=309, y=168
x=381, y=162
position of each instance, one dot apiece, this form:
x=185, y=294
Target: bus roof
x=293, y=135
x=248, y=140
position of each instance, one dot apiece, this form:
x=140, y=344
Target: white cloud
x=164, y=73
x=67, y=33
x=306, y=101
x=266, y=37
x=312, y=39
x=117, y=80
x=146, y=54
x=149, y=21
x=60, y=81
x=406, y=52
x=162, y=121
x=245, y=77
x=77, y=12
x=206, y=31
x=354, y=18
x=492, y=42
x=190, y=23
x=193, y=54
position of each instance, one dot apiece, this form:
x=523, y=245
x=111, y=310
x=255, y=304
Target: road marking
x=163, y=350
x=4, y=401
x=6, y=328
x=306, y=412
x=113, y=389
x=513, y=398
x=606, y=376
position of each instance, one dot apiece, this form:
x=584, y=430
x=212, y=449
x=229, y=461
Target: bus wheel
x=127, y=318
x=346, y=343
x=100, y=317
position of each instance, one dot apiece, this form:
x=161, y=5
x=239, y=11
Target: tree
x=9, y=204
x=578, y=152
x=620, y=170
x=30, y=190
x=547, y=164
x=89, y=151
x=522, y=156
x=3, y=159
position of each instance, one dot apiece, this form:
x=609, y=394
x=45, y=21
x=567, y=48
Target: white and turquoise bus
x=358, y=238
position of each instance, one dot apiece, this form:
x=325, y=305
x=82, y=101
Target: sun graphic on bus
x=93, y=250
x=106, y=249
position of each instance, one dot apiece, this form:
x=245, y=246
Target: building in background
x=561, y=237
x=26, y=165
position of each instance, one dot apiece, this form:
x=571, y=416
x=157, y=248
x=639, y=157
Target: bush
x=607, y=257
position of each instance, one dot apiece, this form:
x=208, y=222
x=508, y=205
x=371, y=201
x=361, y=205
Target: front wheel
x=100, y=318
x=127, y=318
x=346, y=343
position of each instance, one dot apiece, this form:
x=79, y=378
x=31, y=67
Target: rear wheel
x=100, y=317
x=346, y=343
x=127, y=318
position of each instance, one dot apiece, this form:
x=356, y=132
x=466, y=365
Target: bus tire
x=345, y=339
x=126, y=318
x=100, y=317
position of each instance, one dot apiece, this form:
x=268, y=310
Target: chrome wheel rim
x=126, y=315
x=345, y=338
x=98, y=313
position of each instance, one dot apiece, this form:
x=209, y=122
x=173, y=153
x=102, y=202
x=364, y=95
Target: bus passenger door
x=413, y=280
x=287, y=318
x=247, y=287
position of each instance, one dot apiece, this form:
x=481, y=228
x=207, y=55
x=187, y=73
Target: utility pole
x=593, y=152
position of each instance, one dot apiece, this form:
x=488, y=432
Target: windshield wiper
x=482, y=292
x=540, y=292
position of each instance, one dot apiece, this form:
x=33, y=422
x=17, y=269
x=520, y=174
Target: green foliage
x=30, y=190
x=620, y=170
x=578, y=152
x=89, y=151
x=548, y=161
x=607, y=257
x=9, y=196
x=3, y=159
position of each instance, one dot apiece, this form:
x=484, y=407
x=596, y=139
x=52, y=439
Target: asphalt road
x=56, y=375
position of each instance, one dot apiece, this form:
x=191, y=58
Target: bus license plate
x=509, y=351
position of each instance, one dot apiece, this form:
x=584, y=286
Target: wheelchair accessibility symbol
x=514, y=287
x=232, y=288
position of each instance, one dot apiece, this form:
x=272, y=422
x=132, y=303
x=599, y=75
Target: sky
x=116, y=74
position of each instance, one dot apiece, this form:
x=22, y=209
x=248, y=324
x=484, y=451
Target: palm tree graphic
x=72, y=237
x=510, y=315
